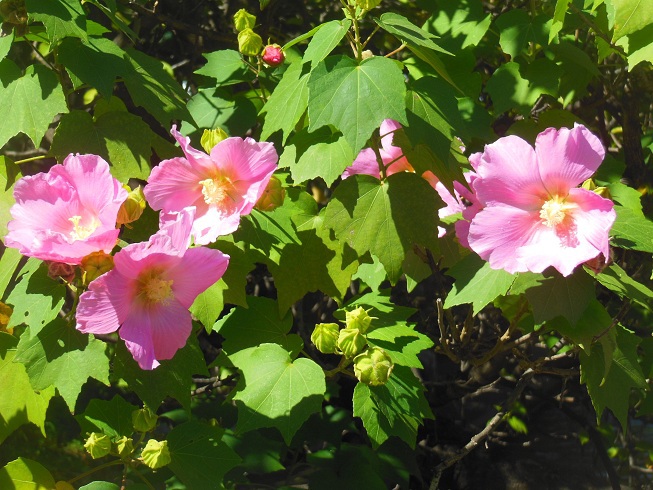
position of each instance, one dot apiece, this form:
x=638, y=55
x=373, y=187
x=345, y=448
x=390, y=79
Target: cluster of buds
x=372, y=365
x=251, y=44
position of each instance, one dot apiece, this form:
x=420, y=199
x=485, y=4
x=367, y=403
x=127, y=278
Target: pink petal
x=106, y=304
x=567, y=157
x=199, y=269
x=174, y=185
x=365, y=164
x=245, y=159
x=157, y=252
x=207, y=228
x=395, y=161
x=594, y=218
x=171, y=327
x=387, y=132
x=197, y=159
x=178, y=226
x=136, y=331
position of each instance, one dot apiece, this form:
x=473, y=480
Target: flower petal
x=136, y=331
x=365, y=164
x=174, y=185
x=208, y=227
x=245, y=159
x=198, y=270
x=105, y=305
x=594, y=218
x=198, y=160
x=171, y=326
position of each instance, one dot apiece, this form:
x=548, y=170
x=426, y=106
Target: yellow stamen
x=217, y=190
x=81, y=232
x=154, y=289
x=554, y=211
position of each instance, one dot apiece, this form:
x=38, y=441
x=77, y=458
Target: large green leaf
x=356, y=98
x=61, y=18
x=112, y=417
x=632, y=230
x=218, y=109
x=385, y=218
x=60, y=356
x=396, y=408
x=25, y=474
x=631, y=16
x=9, y=174
x=21, y=404
x=325, y=40
x=408, y=32
x=518, y=28
x=226, y=67
x=9, y=261
x=401, y=342
x=594, y=321
x=198, y=455
x=278, y=392
x=33, y=101
x=617, y=280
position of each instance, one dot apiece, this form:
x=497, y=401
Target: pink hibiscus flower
x=68, y=212
x=534, y=214
x=392, y=156
x=148, y=292
x=222, y=186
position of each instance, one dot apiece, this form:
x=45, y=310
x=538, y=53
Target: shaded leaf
x=61, y=18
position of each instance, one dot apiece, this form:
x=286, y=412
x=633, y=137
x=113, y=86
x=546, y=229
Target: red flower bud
x=273, y=55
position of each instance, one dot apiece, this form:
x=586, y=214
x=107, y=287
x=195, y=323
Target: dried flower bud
x=124, y=447
x=156, y=454
x=133, y=207
x=98, y=445
x=94, y=265
x=272, y=196
x=273, y=55
x=13, y=11
x=373, y=367
x=249, y=43
x=211, y=137
x=58, y=270
x=5, y=316
x=358, y=319
x=244, y=20
x=144, y=420
x=350, y=341
x=325, y=337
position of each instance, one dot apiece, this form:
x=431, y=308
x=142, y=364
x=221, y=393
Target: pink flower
x=273, y=55
x=148, y=292
x=68, y=212
x=534, y=215
x=392, y=156
x=222, y=186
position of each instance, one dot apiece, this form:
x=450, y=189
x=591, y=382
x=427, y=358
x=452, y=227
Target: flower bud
x=133, y=207
x=599, y=263
x=373, y=367
x=58, y=270
x=244, y=20
x=5, y=315
x=358, y=319
x=144, y=420
x=98, y=445
x=367, y=54
x=272, y=196
x=124, y=447
x=156, y=454
x=211, y=137
x=249, y=43
x=350, y=341
x=273, y=55
x=325, y=337
x=367, y=4
x=94, y=265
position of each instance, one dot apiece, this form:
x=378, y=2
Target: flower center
x=80, y=231
x=217, y=190
x=554, y=211
x=155, y=289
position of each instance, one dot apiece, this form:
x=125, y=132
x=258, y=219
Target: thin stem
x=97, y=468
x=369, y=38
x=32, y=159
x=400, y=48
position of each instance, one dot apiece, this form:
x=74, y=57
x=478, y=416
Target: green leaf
x=208, y=305
x=213, y=108
x=287, y=103
x=372, y=274
x=631, y=16
x=9, y=174
x=318, y=154
x=386, y=312
x=100, y=485
x=36, y=298
x=198, y=455
x=278, y=392
x=518, y=29
x=9, y=261
x=5, y=44
x=113, y=417
x=152, y=88
x=593, y=322
x=356, y=98
x=617, y=280
x=173, y=377
x=33, y=101
x=401, y=27
x=553, y=295
x=257, y=324
x=260, y=454
x=639, y=46
x=226, y=67
x=325, y=40
x=558, y=18
x=394, y=409
x=401, y=342
x=60, y=356
x=61, y=18
x=477, y=283
x=384, y=218
x=632, y=230
x=510, y=90
x=24, y=405
x=612, y=390
x=25, y=474
x=121, y=138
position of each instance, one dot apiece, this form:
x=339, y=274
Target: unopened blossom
x=68, y=212
x=147, y=294
x=222, y=186
x=534, y=215
x=273, y=55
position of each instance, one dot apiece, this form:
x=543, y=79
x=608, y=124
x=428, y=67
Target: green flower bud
x=325, y=337
x=244, y=20
x=367, y=4
x=124, y=446
x=156, y=454
x=98, y=445
x=350, y=341
x=5, y=315
x=133, y=207
x=94, y=265
x=249, y=43
x=144, y=420
x=211, y=137
x=272, y=196
x=359, y=319
x=373, y=367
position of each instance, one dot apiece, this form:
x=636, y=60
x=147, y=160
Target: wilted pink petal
x=66, y=213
